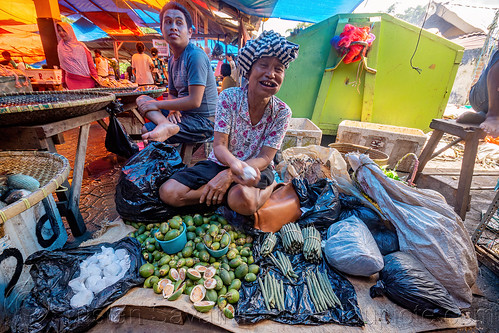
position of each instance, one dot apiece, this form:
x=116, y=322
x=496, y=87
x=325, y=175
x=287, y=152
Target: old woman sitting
x=250, y=124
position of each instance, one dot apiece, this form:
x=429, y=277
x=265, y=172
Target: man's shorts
x=204, y=171
x=193, y=128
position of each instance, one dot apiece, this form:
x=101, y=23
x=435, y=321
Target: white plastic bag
x=427, y=227
x=351, y=248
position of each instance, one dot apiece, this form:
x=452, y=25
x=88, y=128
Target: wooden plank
x=488, y=258
x=428, y=151
x=74, y=192
x=68, y=124
x=466, y=175
x=161, y=313
x=379, y=314
x=457, y=129
x=12, y=138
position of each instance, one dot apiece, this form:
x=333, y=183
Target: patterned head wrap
x=268, y=44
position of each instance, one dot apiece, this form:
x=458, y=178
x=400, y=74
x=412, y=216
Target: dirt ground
x=97, y=207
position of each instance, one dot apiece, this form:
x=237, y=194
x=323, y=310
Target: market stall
x=215, y=266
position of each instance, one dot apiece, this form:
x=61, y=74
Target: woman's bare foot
x=491, y=126
x=161, y=132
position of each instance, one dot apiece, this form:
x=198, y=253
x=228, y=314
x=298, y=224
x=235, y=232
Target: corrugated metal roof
x=471, y=41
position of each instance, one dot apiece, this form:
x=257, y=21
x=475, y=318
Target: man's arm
x=192, y=101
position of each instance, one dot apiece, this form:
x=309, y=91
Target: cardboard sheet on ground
x=380, y=314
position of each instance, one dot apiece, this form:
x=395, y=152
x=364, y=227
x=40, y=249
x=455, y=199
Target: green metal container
x=395, y=94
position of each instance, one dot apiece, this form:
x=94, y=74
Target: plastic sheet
x=350, y=248
x=408, y=283
x=47, y=307
x=299, y=307
x=320, y=203
x=137, y=193
x=427, y=227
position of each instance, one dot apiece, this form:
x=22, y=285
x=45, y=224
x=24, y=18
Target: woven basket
x=34, y=108
x=129, y=94
x=50, y=169
x=377, y=156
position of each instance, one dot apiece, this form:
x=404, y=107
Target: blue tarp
x=297, y=10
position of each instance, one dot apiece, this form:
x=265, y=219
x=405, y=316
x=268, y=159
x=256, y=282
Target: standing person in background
x=7, y=60
x=78, y=69
x=142, y=66
x=160, y=75
x=235, y=75
x=186, y=116
x=101, y=64
x=228, y=81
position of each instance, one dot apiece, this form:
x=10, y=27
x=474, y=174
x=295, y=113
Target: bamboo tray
x=50, y=169
x=35, y=108
x=129, y=94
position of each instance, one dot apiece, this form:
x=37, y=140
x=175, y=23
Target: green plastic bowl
x=220, y=252
x=173, y=245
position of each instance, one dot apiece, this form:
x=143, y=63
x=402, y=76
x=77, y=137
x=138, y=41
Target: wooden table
x=45, y=137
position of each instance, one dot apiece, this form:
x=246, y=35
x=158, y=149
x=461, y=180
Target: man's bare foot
x=491, y=126
x=161, y=132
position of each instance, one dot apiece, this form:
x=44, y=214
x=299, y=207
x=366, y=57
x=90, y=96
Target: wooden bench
x=471, y=135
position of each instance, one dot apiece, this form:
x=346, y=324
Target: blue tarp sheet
x=297, y=10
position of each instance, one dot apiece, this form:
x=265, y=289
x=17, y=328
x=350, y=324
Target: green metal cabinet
x=395, y=95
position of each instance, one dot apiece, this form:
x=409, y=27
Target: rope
x=44, y=192
x=3, y=216
x=26, y=202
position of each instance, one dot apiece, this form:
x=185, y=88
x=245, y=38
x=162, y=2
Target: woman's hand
x=174, y=117
x=214, y=191
x=237, y=168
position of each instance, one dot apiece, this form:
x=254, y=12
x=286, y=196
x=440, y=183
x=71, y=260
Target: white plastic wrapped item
x=351, y=248
x=94, y=270
x=81, y=298
x=112, y=270
x=427, y=227
x=121, y=253
x=77, y=284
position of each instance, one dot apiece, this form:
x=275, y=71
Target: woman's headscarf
x=72, y=54
x=268, y=44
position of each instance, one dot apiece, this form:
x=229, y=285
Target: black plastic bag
x=47, y=307
x=117, y=140
x=385, y=237
x=299, y=307
x=137, y=193
x=405, y=281
x=320, y=201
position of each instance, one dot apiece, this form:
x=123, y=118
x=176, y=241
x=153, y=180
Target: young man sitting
x=186, y=116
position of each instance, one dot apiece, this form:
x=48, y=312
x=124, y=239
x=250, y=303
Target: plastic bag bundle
x=319, y=202
x=350, y=248
x=385, y=237
x=51, y=306
x=137, y=193
x=408, y=283
x=426, y=226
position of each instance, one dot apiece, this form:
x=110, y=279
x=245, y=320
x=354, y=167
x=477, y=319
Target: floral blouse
x=245, y=140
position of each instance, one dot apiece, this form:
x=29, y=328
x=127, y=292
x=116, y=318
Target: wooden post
x=206, y=31
x=48, y=14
